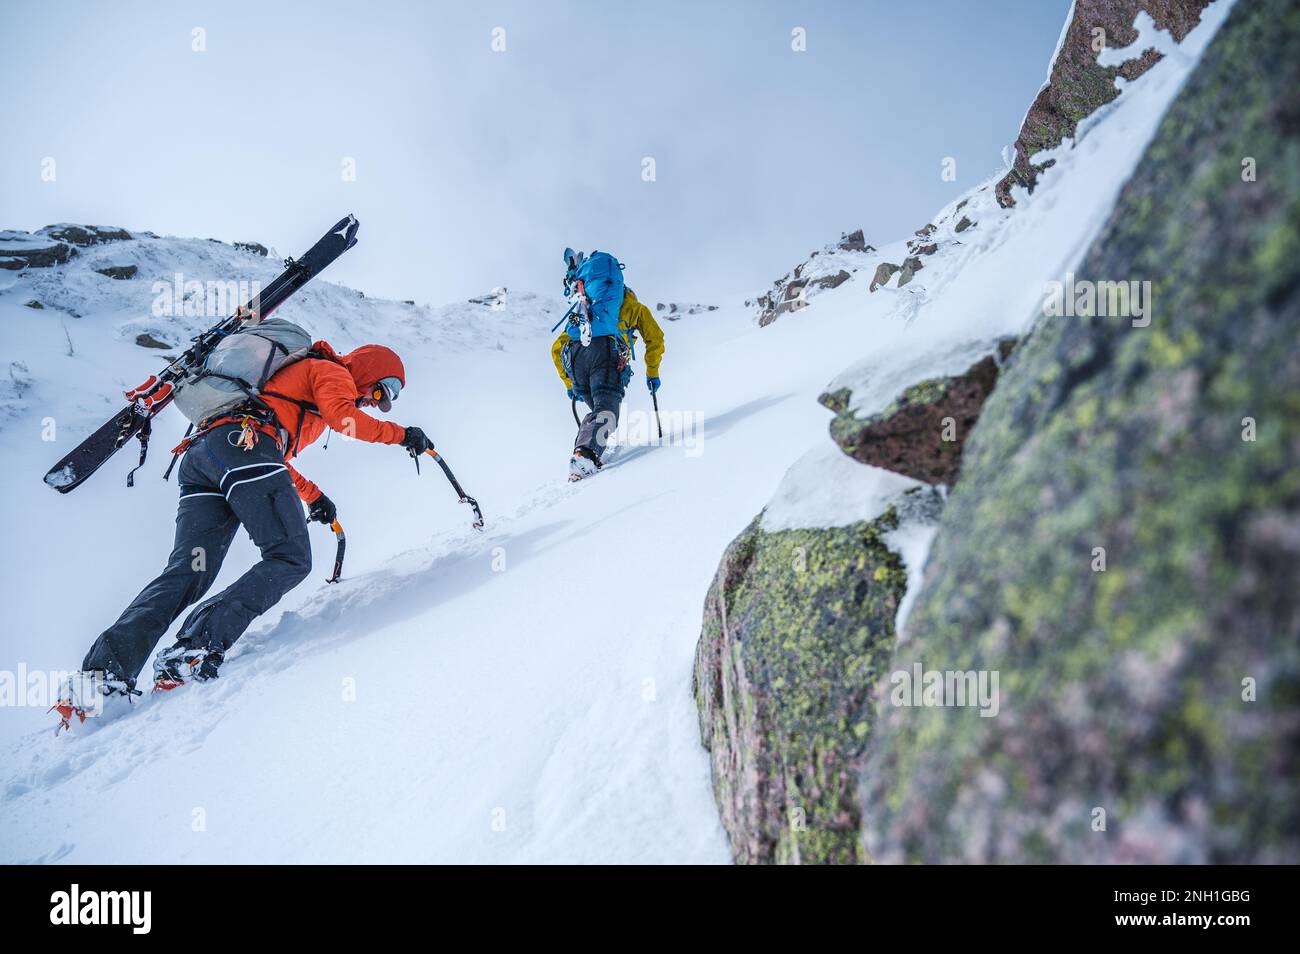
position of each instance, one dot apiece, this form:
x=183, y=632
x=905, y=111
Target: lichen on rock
x=1078, y=85
x=797, y=625
x=1120, y=545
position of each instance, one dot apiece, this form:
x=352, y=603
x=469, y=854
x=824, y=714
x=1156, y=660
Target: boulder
x=911, y=266
x=854, y=242
x=884, y=272
x=1123, y=540
x=922, y=433
x=831, y=281
x=797, y=626
x=119, y=272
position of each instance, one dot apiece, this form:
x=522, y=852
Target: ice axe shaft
x=338, y=554
x=455, y=484
x=655, y=398
x=576, y=419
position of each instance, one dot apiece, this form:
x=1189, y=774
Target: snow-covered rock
x=827, y=268
x=939, y=303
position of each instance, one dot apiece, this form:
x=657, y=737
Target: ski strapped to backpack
x=158, y=390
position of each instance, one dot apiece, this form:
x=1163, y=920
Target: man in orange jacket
x=236, y=472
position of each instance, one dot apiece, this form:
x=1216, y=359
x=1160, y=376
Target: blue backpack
x=602, y=277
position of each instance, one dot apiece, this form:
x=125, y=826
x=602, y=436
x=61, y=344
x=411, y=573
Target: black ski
x=157, y=392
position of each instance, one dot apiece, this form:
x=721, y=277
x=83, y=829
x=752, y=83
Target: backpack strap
x=304, y=407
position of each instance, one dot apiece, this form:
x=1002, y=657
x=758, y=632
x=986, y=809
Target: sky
x=474, y=141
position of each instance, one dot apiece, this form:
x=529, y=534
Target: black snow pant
x=596, y=373
x=222, y=486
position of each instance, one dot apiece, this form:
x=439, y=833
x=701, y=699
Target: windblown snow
x=517, y=695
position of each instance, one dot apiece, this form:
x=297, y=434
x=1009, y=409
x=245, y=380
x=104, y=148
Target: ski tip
x=62, y=479
x=347, y=228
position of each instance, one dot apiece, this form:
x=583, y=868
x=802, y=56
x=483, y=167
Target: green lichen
x=1123, y=688
x=798, y=626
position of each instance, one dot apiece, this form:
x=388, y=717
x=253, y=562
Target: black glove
x=416, y=442
x=322, y=510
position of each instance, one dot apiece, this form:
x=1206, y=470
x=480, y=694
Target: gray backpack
x=239, y=367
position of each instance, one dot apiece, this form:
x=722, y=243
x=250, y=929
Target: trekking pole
x=655, y=398
x=464, y=497
x=575, y=413
x=338, y=554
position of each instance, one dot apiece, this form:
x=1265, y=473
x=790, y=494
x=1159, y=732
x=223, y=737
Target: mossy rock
x=1164, y=688
x=797, y=627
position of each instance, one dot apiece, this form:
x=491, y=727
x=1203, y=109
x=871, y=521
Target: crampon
x=176, y=666
x=82, y=694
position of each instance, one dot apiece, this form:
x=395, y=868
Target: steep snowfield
x=517, y=695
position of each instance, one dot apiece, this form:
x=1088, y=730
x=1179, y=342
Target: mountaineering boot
x=173, y=667
x=82, y=694
x=584, y=463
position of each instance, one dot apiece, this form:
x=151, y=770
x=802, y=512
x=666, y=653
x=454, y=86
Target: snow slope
x=519, y=695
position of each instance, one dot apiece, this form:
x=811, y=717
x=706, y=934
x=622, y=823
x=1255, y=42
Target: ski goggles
x=385, y=392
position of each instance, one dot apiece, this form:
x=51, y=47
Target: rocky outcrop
x=84, y=236
x=1078, y=85
x=119, y=272
x=255, y=248
x=19, y=250
x=673, y=311
x=921, y=434
x=928, y=241
x=146, y=340
x=797, y=626
x=1123, y=541
x=52, y=245
x=826, y=268
x=910, y=267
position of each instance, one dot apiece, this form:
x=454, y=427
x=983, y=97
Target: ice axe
x=455, y=484
x=655, y=398
x=341, y=537
x=574, y=408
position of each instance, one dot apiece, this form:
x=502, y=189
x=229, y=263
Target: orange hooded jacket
x=332, y=386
